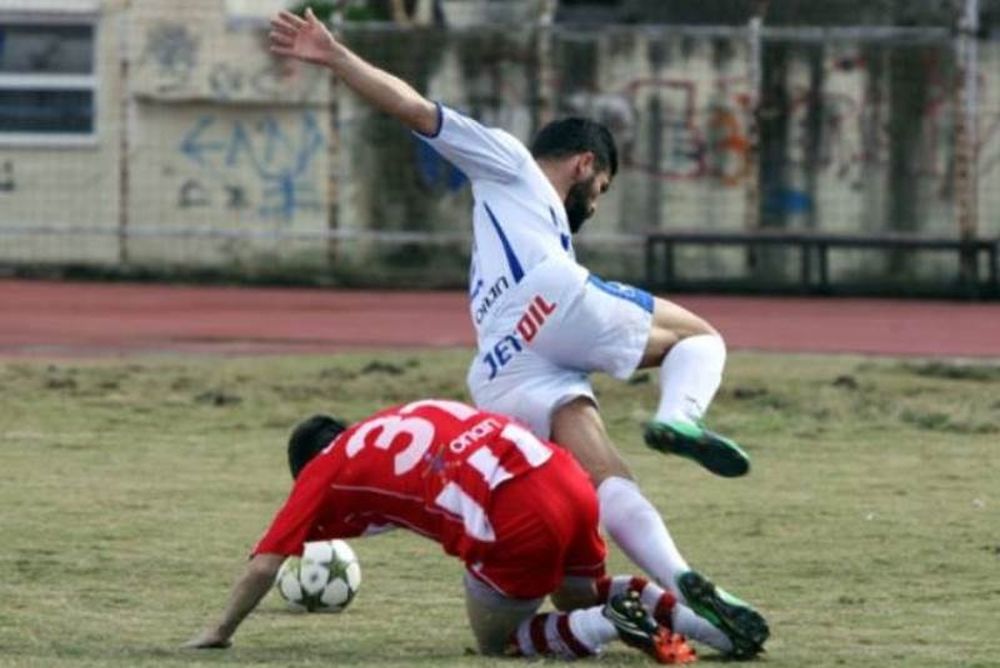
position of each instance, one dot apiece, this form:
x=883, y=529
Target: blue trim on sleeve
x=638, y=297
x=515, y=265
x=440, y=119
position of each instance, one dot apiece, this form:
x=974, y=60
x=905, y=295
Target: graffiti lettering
x=280, y=159
x=225, y=81
x=229, y=81
x=236, y=198
x=193, y=194
x=173, y=52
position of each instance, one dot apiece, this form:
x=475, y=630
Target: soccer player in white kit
x=544, y=323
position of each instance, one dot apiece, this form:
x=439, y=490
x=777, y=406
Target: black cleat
x=637, y=628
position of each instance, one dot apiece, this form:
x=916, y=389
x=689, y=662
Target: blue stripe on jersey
x=638, y=297
x=515, y=266
x=477, y=289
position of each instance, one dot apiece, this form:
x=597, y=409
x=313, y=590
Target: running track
x=45, y=319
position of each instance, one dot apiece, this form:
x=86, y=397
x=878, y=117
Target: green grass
x=868, y=531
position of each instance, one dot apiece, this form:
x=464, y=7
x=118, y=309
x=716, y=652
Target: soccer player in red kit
x=520, y=513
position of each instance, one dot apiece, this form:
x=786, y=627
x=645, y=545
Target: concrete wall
x=218, y=137
x=223, y=137
x=57, y=183
x=855, y=137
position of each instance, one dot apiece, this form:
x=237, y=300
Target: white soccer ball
x=324, y=579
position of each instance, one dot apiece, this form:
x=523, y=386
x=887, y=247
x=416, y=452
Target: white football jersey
x=518, y=218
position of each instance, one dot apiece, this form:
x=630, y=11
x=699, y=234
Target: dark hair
x=570, y=136
x=309, y=438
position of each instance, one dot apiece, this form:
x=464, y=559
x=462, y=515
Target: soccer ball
x=324, y=579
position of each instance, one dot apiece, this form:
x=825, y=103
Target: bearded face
x=579, y=203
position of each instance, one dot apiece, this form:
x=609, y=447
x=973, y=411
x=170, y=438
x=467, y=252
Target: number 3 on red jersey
x=493, y=461
x=420, y=430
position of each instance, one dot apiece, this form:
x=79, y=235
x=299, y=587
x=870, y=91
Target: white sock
x=592, y=628
x=637, y=528
x=689, y=377
x=677, y=617
x=690, y=625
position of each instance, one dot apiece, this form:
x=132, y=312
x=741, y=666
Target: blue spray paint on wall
x=280, y=156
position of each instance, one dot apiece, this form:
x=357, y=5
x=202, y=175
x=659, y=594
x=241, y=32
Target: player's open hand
x=301, y=38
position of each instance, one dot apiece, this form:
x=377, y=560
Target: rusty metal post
x=966, y=133
x=124, y=132
x=751, y=187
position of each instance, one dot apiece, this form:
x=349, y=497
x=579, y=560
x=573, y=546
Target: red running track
x=45, y=319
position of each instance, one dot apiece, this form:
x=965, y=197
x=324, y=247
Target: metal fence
x=179, y=145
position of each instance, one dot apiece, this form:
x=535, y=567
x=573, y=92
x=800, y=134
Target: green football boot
x=716, y=453
x=745, y=627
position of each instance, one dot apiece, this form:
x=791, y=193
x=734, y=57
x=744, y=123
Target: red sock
x=547, y=634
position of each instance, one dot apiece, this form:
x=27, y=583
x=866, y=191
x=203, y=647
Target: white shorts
x=550, y=334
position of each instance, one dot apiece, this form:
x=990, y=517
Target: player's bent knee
x=575, y=593
x=677, y=321
x=494, y=617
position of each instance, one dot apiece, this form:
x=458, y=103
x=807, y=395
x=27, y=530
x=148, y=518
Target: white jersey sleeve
x=481, y=153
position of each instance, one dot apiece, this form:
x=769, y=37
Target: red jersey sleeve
x=296, y=521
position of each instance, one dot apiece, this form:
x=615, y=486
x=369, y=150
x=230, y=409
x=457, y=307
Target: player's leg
x=690, y=356
x=559, y=404
x=505, y=626
x=629, y=518
x=493, y=617
x=582, y=592
x=617, y=328
x=744, y=639
x=545, y=522
x=637, y=527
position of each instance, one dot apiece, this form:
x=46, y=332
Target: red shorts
x=546, y=524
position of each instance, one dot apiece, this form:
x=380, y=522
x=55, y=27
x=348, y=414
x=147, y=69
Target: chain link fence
x=145, y=139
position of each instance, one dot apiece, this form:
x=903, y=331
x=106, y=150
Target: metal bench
x=814, y=250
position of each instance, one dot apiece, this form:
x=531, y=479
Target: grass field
x=868, y=531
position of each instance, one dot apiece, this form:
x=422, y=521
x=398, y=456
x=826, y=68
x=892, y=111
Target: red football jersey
x=429, y=466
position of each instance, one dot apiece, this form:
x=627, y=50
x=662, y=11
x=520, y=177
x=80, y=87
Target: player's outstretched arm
x=308, y=40
x=255, y=582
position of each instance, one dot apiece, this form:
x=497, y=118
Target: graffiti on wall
x=232, y=81
x=266, y=165
x=845, y=135
x=171, y=54
x=700, y=128
x=174, y=65
x=698, y=139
